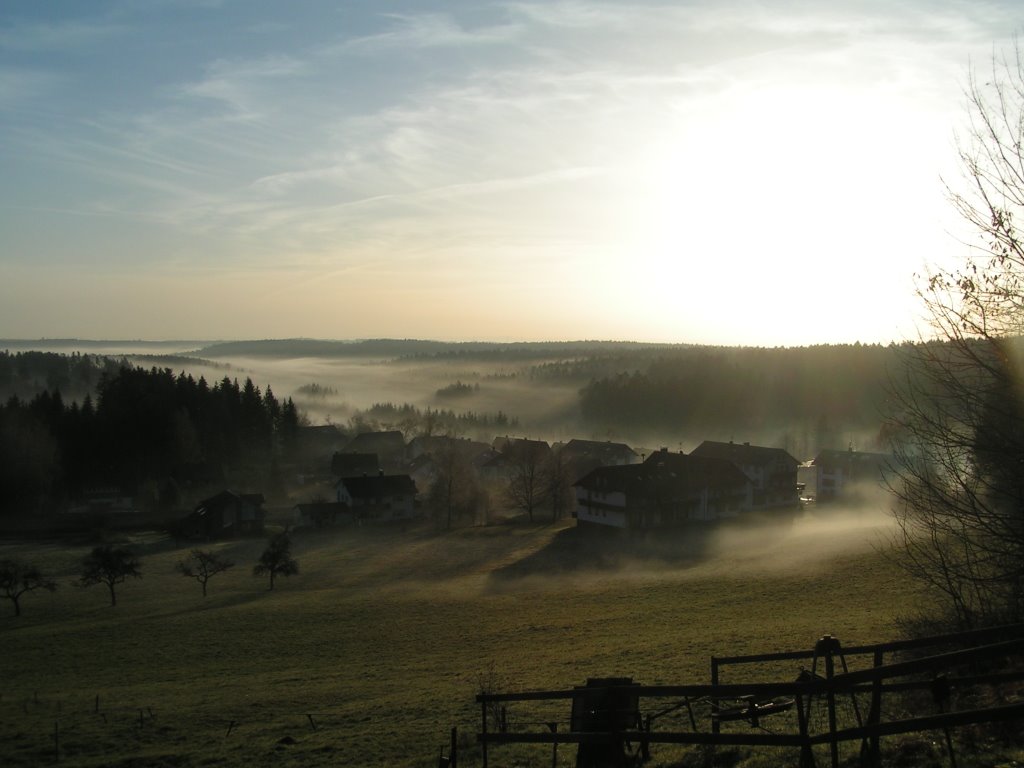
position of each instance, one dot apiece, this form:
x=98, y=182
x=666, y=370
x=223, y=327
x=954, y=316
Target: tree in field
x=202, y=566
x=277, y=559
x=17, y=578
x=111, y=566
x=528, y=485
x=558, y=481
x=958, y=412
x=455, y=493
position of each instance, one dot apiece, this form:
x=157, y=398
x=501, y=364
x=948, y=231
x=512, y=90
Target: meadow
x=378, y=646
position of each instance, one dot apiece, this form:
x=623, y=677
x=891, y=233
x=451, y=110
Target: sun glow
x=780, y=201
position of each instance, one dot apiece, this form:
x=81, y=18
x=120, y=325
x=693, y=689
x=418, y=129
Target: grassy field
x=384, y=636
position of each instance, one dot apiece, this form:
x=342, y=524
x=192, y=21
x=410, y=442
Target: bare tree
x=17, y=578
x=958, y=407
x=111, y=566
x=277, y=559
x=528, y=483
x=455, y=494
x=202, y=566
x=558, y=481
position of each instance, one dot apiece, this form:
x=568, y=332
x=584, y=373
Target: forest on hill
x=137, y=426
x=816, y=395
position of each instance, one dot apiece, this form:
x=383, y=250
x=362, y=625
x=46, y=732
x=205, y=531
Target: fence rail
x=825, y=707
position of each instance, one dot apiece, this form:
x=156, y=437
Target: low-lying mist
x=749, y=547
x=332, y=390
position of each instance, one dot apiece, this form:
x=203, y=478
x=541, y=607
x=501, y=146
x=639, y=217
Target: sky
x=740, y=173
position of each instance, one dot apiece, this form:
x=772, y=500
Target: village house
x=666, y=491
x=389, y=447
x=379, y=498
x=835, y=474
x=225, y=516
x=423, y=470
x=582, y=456
x=772, y=471
x=432, y=445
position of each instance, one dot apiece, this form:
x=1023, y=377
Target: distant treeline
x=26, y=374
x=712, y=391
x=413, y=421
x=420, y=348
x=142, y=425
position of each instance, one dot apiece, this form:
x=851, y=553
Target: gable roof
x=225, y=498
x=373, y=486
x=509, y=444
x=744, y=453
x=663, y=472
x=604, y=451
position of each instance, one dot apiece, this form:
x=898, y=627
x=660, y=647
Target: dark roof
x=605, y=451
x=372, y=486
x=743, y=453
x=664, y=471
x=324, y=435
x=437, y=443
x=354, y=464
x=427, y=443
x=506, y=444
x=224, y=498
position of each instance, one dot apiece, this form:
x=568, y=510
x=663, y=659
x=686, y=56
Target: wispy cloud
x=586, y=15
x=62, y=36
x=476, y=133
x=429, y=30
x=19, y=86
x=243, y=84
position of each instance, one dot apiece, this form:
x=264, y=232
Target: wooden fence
x=961, y=679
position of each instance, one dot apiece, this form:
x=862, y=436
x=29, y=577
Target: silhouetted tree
x=558, y=488
x=17, y=578
x=29, y=460
x=455, y=492
x=527, y=484
x=111, y=566
x=958, y=415
x=277, y=559
x=203, y=565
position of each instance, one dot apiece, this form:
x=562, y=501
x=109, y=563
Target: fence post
x=453, y=750
x=715, y=725
x=56, y=741
x=828, y=644
x=874, y=716
x=483, y=729
x=806, y=755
